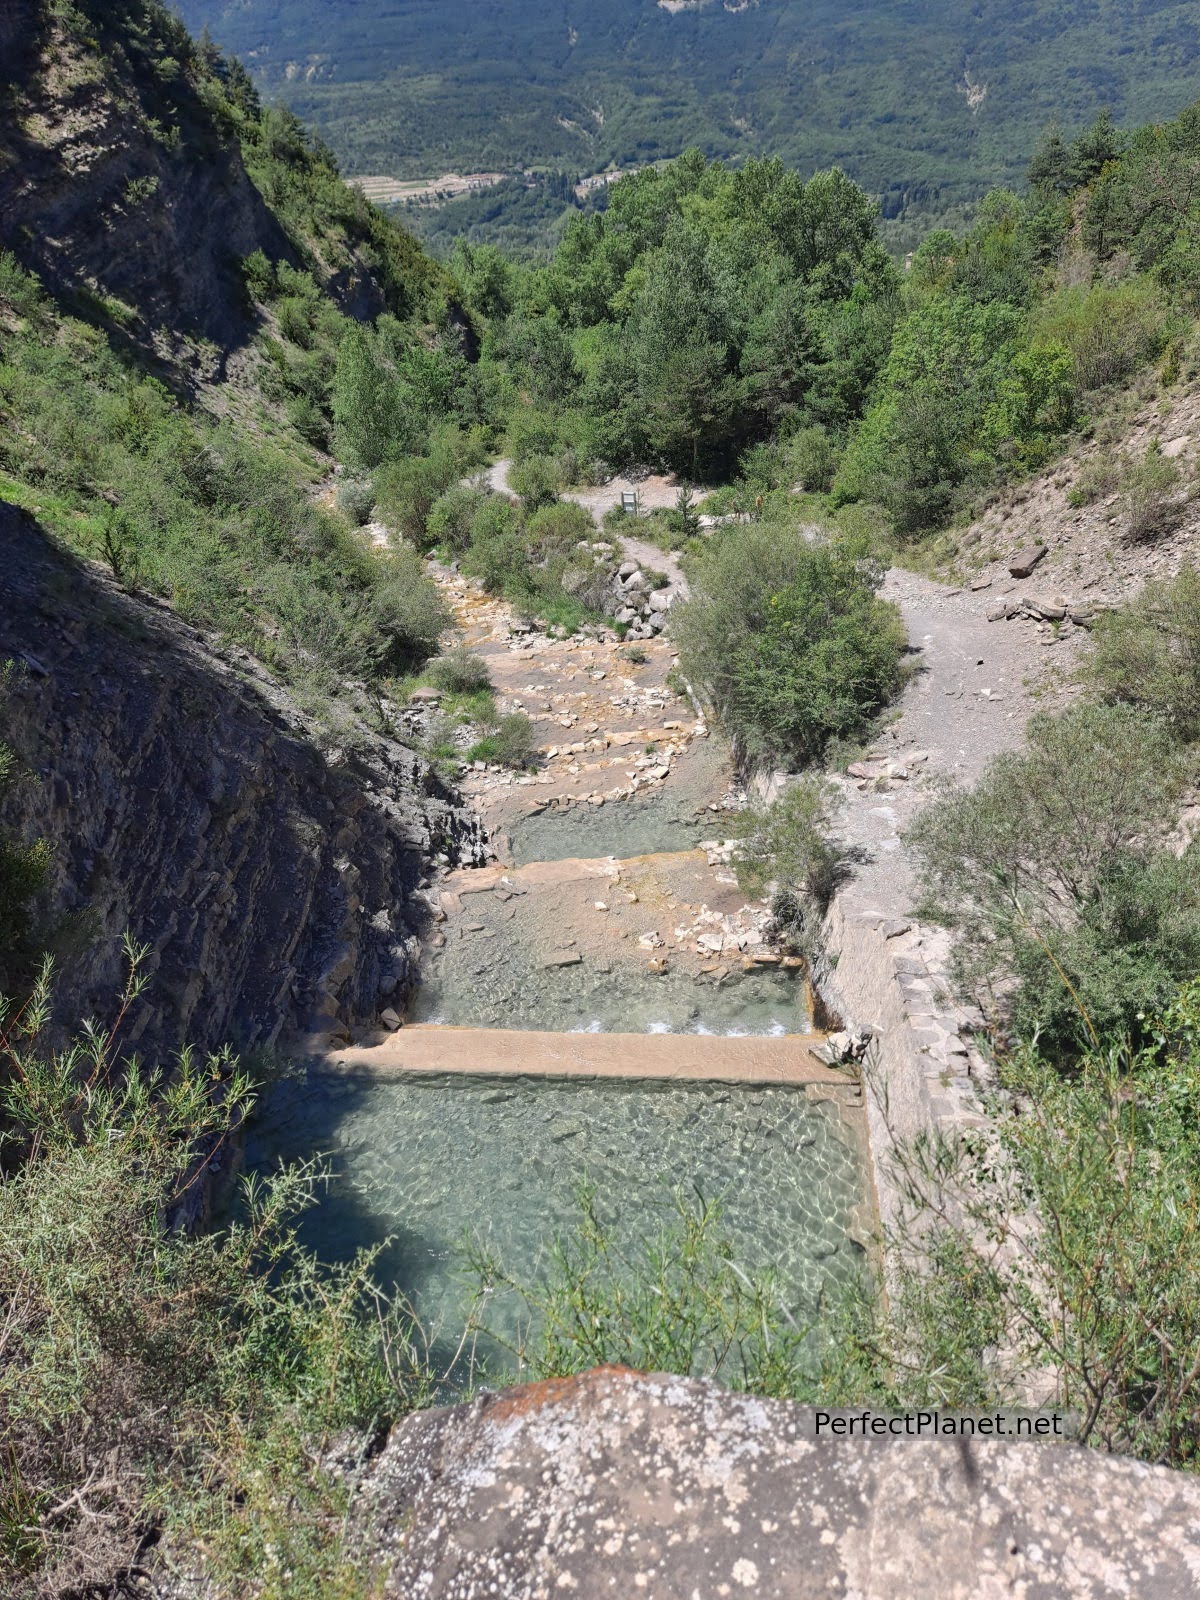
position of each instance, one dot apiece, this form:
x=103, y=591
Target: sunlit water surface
x=432, y=1163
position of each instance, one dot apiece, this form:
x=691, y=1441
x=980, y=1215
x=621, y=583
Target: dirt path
x=975, y=686
x=653, y=493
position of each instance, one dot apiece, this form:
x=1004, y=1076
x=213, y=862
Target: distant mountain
x=925, y=102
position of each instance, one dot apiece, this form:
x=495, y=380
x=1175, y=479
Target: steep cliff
x=188, y=804
x=125, y=185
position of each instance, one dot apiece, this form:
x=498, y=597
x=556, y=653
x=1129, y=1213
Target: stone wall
x=886, y=977
x=278, y=887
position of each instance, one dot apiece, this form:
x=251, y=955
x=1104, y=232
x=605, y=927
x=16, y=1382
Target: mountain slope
x=924, y=101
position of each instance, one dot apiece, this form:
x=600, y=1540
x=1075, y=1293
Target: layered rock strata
x=278, y=887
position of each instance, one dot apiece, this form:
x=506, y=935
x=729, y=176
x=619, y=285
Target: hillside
x=926, y=105
x=457, y=928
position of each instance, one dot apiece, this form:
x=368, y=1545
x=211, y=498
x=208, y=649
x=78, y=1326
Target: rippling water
x=428, y=1163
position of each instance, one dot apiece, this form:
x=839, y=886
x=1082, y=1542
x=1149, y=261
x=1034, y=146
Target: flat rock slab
x=1023, y=563
x=790, y=1058
x=614, y=1484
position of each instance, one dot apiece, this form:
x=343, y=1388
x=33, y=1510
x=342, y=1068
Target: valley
x=600, y=818
x=926, y=106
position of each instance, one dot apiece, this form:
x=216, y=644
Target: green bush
x=460, y=672
x=452, y=517
x=1096, y=480
x=404, y=618
x=1151, y=504
x=509, y=743
x=536, y=480
x=1097, y=1305
x=1110, y=329
x=1067, y=906
x=157, y=1382
x=790, y=640
x=810, y=459
x=407, y=490
x=356, y=500
x=788, y=844
x=1147, y=654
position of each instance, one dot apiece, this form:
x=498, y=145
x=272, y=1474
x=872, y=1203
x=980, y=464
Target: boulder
x=627, y=569
x=613, y=1483
x=1023, y=563
x=661, y=600
x=1047, y=610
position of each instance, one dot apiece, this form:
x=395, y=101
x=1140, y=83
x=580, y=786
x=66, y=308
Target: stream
x=612, y=909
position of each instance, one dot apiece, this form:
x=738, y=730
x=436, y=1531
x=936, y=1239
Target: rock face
x=100, y=152
x=278, y=888
x=622, y=1485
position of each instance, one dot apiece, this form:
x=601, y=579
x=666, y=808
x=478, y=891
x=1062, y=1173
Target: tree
x=1050, y=166
x=370, y=419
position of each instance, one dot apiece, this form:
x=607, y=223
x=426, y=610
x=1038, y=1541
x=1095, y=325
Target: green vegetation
x=199, y=512
x=508, y=741
x=201, y=1375
x=1147, y=654
x=23, y=867
x=1056, y=875
x=677, y=1302
x=789, y=639
x=879, y=90
x=738, y=324
x=1100, y=1304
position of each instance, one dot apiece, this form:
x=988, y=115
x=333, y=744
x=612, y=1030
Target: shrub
x=1097, y=478
x=1147, y=654
x=451, y=518
x=1098, y=1305
x=407, y=490
x=510, y=743
x=787, y=844
x=405, y=616
x=810, y=459
x=1150, y=502
x=536, y=480
x=1110, y=329
x=460, y=672
x=1052, y=871
x=809, y=660
x=156, y=1381
x=356, y=500
x=498, y=555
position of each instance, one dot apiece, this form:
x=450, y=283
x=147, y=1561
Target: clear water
x=477, y=983
x=675, y=817
x=427, y=1163
x=665, y=821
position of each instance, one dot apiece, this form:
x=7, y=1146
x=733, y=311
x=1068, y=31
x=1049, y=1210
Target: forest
x=926, y=106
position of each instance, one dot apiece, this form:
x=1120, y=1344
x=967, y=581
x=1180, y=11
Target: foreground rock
x=616, y=1484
